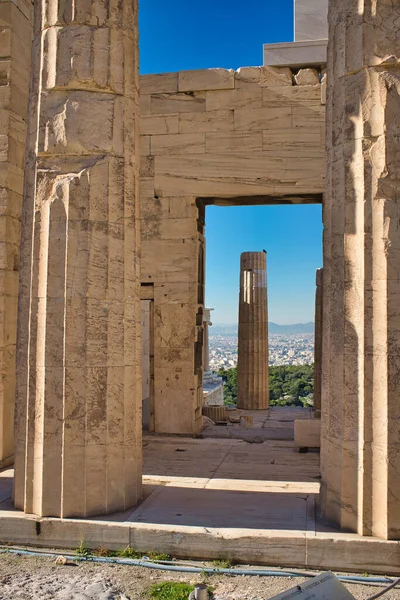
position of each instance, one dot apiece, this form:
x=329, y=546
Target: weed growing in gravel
x=158, y=556
x=127, y=552
x=169, y=590
x=222, y=563
x=82, y=550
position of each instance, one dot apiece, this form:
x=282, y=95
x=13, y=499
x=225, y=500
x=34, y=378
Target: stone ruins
x=254, y=136
x=253, y=385
x=103, y=196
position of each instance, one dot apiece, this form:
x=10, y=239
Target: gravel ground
x=31, y=578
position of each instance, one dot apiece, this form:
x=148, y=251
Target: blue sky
x=180, y=34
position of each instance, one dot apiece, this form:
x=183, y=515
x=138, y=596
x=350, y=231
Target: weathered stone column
x=206, y=340
x=15, y=49
x=360, y=453
x=78, y=426
x=318, y=344
x=253, y=385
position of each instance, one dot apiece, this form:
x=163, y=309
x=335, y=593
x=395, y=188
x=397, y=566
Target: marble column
x=206, y=343
x=78, y=407
x=16, y=21
x=318, y=344
x=360, y=446
x=253, y=385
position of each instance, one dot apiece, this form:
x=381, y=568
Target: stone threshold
x=318, y=551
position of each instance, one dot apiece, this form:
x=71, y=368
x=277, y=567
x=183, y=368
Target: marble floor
x=250, y=500
x=213, y=482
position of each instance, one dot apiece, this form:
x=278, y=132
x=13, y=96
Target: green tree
x=289, y=385
x=230, y=388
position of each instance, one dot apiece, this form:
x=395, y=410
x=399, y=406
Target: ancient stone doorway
x=251, y=137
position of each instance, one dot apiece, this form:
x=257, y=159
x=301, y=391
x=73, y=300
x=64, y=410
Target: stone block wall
x=16, y=19
x=252, y=136
x=170, y=255
x=257, y=131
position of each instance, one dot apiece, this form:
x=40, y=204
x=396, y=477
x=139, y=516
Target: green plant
x=204, y=574
x=170, y=590
x=129, y=552
x=222, y=563
x=158, y=556
x=82, y=550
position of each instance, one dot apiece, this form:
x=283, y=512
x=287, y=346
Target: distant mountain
x=291, y=329
x=222, y=329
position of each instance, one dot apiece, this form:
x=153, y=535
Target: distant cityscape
x=295, y=346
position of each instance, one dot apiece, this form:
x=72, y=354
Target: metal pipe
x=203, y=570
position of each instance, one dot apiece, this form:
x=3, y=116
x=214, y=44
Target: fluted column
x=360, y=453
x=15, y=66
x=253, y=385
x=318, y=343
x=78, y=425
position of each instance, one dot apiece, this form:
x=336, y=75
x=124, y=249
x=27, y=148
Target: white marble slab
x=295, y=54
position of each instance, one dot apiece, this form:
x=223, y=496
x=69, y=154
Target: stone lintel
x=296, y=54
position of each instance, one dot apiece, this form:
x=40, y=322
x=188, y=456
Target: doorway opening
x=291, y=236
x=247, y=464
x=250, y=463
